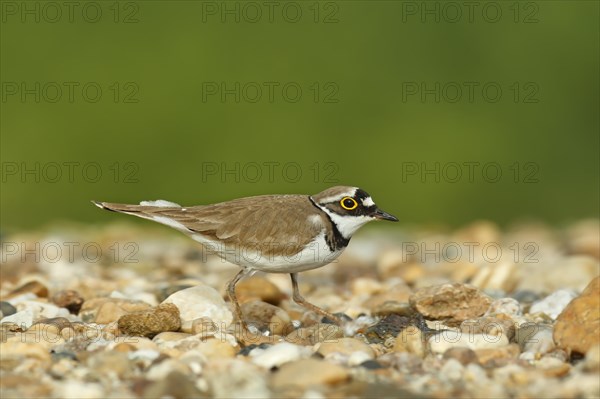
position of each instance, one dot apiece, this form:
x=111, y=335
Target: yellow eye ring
x=348, y=203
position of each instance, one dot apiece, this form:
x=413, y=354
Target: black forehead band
x=361, y=194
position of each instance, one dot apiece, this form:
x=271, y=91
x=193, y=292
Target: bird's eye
x=348, y=203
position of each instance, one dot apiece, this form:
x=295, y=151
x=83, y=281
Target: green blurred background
x=171, y=121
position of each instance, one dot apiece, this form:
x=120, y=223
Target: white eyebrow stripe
x=368, y=202
x=339, y=196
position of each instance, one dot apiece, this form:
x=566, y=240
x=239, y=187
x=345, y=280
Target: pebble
x=111, y=363
x=279, y=354
x=499, y=324
x=210, y=348
x=366, y=286
x=452, y=370
x=309, y=372
x=258, y=288
x=592, y=359
x=352, y=350
x=547, y=277
x=451, y=302
x=497, y=357
x=13, y=385
x=267, y=318
x=316, y=333
x=390, y=261
x=69, y=299
x=553, y=367
x=175, y=385
x=441, y=342
x=74, y=389
x=577, y=328
x=397, y=293
x=7, y=309
x=464, y=355
x=553, y=304
x=390, y=326
x=148, y=323
x=507, y=306
x=43, y=309
x=23, y=319
x=525, y=296
x=236, y=378
x=205, y=327
x=200, y=301
x=167, y=338
x=500, y=276
x=55, y=325
x=411, y=340
x=535, y=338
x=106, y=310
x=161, y=370
x=583, y=238
x=21, y=350
x=392, y=307
x=31, y=287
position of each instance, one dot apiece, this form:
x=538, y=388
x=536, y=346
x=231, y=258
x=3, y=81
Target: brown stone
x=309, y=372
x=33, y=287
x=497, y=357
x=410, y=340
x=392, y=307
x=346, y=346
x=496, y=276
x=258, y=288
x=592, y=359
x=558, y=371
x=106, y=310
x=106, y=362
x=320, y=332
x=174, y=385
x=246, y=338
x=452, y=302
x=148, y=323
x=267, y=317
x=577, y=328
x=69, y=299
x=463, y=355
x=24, y=386
x=398, y=293
x=490, y=325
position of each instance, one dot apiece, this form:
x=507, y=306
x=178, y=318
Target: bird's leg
x=233, y=297
x=299, y=299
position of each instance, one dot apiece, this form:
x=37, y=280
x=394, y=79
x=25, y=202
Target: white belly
x=314, y=255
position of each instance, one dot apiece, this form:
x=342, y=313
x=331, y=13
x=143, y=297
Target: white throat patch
x=347, y=225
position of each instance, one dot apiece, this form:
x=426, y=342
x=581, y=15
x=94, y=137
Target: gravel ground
x=121, y=311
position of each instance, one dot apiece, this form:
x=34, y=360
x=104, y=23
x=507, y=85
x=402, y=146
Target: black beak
x=379, y=214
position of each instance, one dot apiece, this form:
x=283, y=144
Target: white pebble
x=445, y=340
x=279, y=354
x=201, y=301
x=23, y=319
x=358, y=358
x=553, y=304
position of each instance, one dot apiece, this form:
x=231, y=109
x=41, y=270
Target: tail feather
x=150, y=210
x=125, y=208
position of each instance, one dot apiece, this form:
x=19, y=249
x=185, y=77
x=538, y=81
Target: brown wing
x=273, y=223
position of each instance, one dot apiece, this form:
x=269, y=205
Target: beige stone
x=410, y=340
x=577, y=328
x=308, y=373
